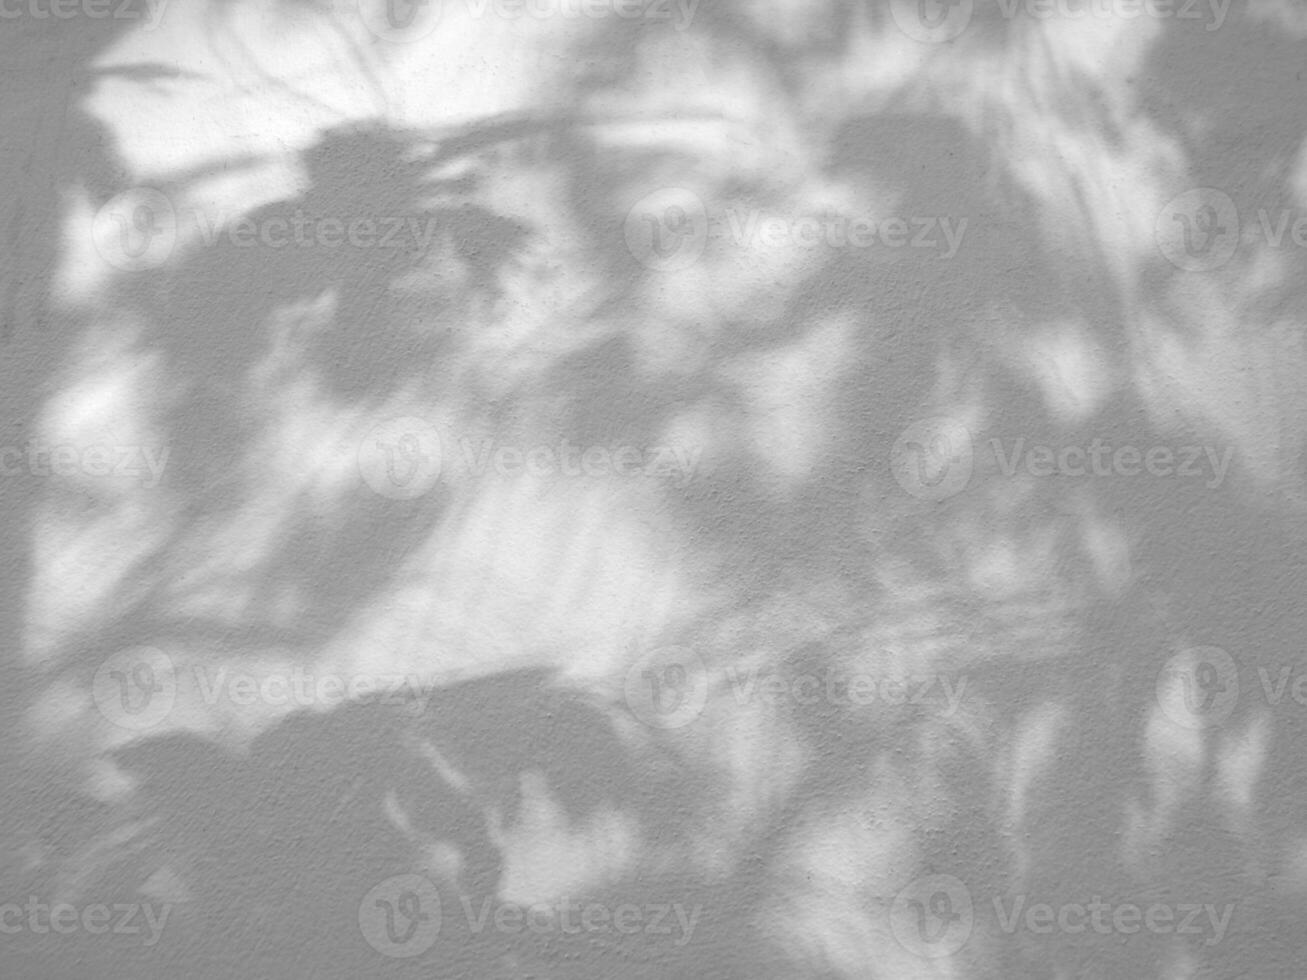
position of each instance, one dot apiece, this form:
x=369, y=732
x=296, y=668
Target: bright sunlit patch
x=103, y=418
x=788, y=396
x=1175, y=756
x=1109, y=549
x=1242, y=754
x=876, y=68
x=82, y=273
x=1097, y=46
x=1292, y=872
x=1235, y=378
x=835, y=875
x=1286, y=15
x=547, y=858
x=1072, y=372
x=210, y=206
x=1181, y=964
x=1034, y=745
x=526, y=570
x=227, y=71
x=82, y=569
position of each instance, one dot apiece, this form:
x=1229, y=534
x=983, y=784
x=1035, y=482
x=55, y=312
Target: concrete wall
x=624, y=488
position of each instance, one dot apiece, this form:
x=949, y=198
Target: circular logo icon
x=933, y=459
x=932, y=21
x=400, y=917
x=1199, y=230
x=136, y=230
x=667, y=687
x=135, y=688
x=1198, y=687
x=400, y=21
x=401, y=458
x=667, y=230
x=932, y=916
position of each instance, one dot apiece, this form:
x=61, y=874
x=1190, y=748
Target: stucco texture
x=653, y=489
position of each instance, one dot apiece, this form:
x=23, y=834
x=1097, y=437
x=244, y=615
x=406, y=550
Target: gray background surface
x=614, y=488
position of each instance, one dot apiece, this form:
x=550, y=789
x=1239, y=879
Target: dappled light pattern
x=476, y=507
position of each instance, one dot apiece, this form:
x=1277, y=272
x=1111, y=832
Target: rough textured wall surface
x=653, y=488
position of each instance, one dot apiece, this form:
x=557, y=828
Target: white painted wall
x=821, y=479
